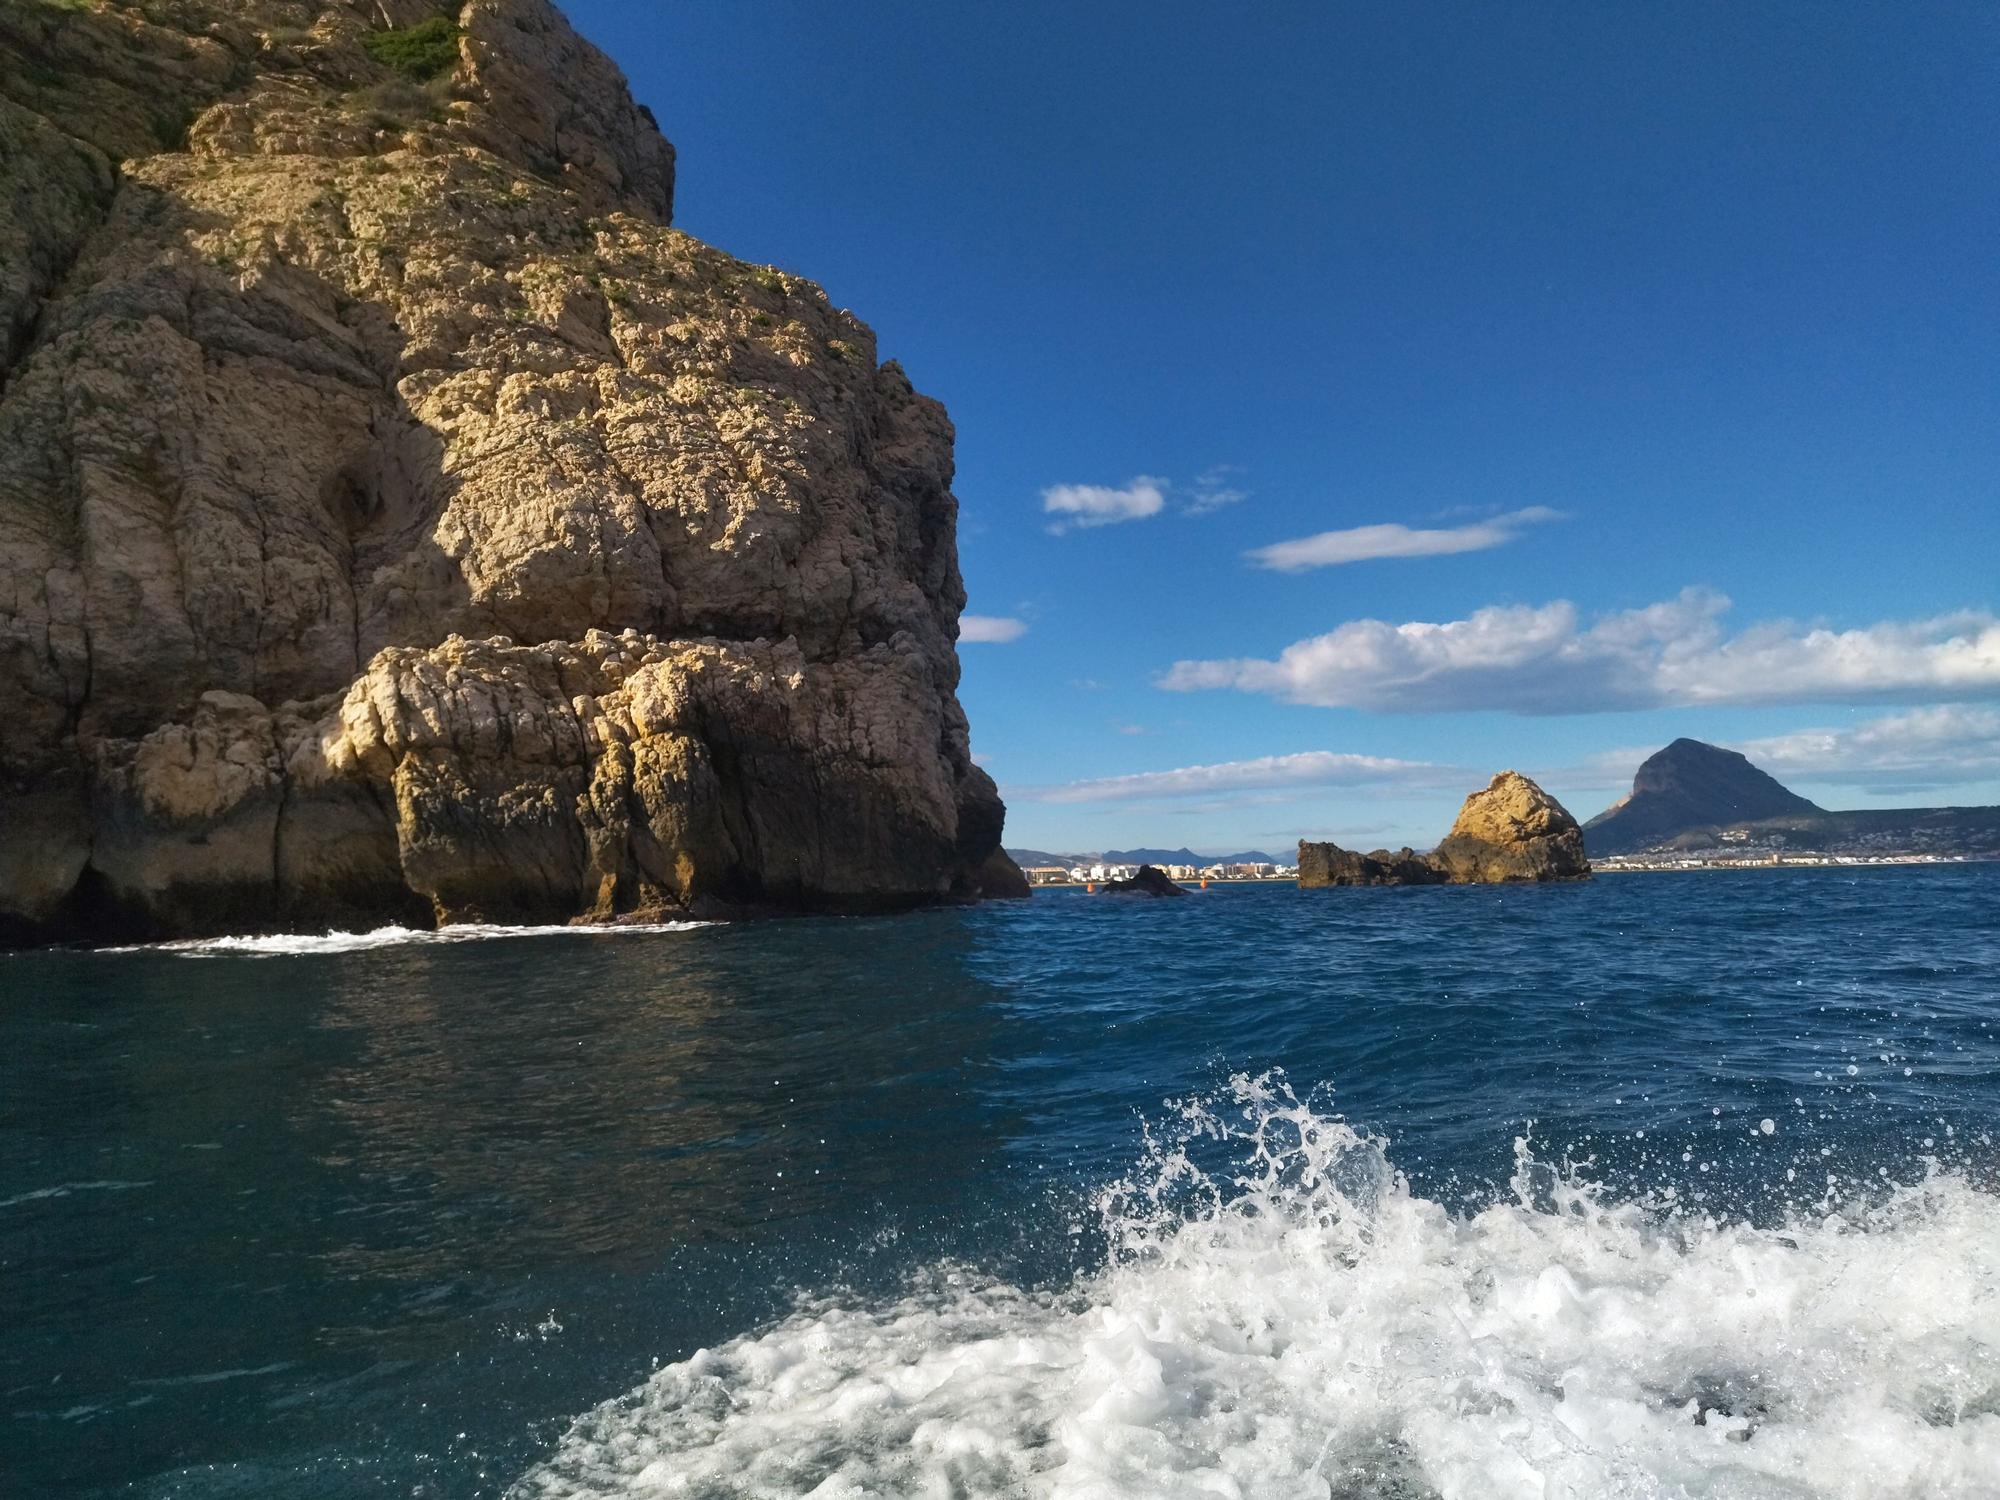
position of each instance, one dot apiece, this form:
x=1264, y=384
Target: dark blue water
x=383, y=1222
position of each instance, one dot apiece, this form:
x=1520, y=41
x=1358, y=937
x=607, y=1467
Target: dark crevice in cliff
x=77, y=694
x=25, y=331
x=278, y=830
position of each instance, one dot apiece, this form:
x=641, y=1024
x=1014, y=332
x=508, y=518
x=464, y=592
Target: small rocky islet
x=1147, y=880
x=1511, y=830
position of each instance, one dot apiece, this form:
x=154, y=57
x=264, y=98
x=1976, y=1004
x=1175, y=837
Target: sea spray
x=1280, y=1315
x=309, y=945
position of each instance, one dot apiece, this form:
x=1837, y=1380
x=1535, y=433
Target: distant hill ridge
x=1690, y=794
x=1026, y=857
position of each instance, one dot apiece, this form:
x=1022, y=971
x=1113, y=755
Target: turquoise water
x=1664, y=1184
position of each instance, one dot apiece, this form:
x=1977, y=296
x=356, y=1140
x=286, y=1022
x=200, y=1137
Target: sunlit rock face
x=1510, y=830
x=398, y=519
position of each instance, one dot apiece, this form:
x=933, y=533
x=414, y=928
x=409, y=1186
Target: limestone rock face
x=1512, y=830
x=399, y=520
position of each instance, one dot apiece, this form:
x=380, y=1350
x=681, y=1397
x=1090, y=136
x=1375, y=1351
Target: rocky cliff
x=1510, y=830
x=398, y=519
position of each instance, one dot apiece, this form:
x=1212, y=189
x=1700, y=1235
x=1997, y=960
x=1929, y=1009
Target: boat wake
x=286, y=945
x=1281, y=1316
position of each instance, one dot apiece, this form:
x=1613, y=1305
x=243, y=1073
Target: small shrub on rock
x=421, y=51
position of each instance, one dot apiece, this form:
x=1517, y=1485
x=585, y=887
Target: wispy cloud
x=994, y=630
x=1078, y=506
x=1308, y=768
x=1331, y=549
x=1545, y=660
x=1943, y=745
x=1214, y=489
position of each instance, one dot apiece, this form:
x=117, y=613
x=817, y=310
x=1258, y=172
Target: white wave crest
x=1302, y=1324
x=285, y=945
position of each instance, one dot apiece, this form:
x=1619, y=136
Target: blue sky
x=1667, y=336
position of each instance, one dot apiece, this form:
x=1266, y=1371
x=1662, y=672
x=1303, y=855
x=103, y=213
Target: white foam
x=1304, y=1325
x=68, y=1189
x=280, y=944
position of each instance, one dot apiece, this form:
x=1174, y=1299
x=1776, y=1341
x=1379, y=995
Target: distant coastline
x=1655, y=864
x=1693, y=806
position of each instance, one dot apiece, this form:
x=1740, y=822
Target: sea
x=1661, y=1185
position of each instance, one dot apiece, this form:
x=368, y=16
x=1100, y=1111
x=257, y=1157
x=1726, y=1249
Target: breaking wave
x=283, y=945
x=1280, y=1315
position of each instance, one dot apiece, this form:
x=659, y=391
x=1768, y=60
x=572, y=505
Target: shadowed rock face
x=398, y=520
x=1329, y=864
x=1147, y=880
x=1512, y=830
x=1691, y=785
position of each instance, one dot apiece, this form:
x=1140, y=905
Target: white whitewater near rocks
x=293, y=944
x=1307, y=1327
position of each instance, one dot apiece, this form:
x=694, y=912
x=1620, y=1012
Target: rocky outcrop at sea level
x=1147, y=880
x=1512, y=830
x=400, y=520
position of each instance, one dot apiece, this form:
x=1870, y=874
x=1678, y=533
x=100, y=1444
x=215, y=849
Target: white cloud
x=1545, y=660
x=1366, y=543
x=992, y=629
x=1214, y=489
x=1943, y=745
x=1947, y=744
x=1308, y=768
x=1083, y=505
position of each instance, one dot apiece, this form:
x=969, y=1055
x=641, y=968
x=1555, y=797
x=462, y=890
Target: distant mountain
x=1693, y=796
x=1185, y=857
x=1690, y=785
x=1027, y=857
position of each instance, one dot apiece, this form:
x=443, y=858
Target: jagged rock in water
x=1329, y=864
x=1511, y=830
x=400, y=521
x=1147, y=880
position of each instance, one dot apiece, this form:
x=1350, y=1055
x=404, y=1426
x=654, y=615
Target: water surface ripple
x=1664, y=1184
